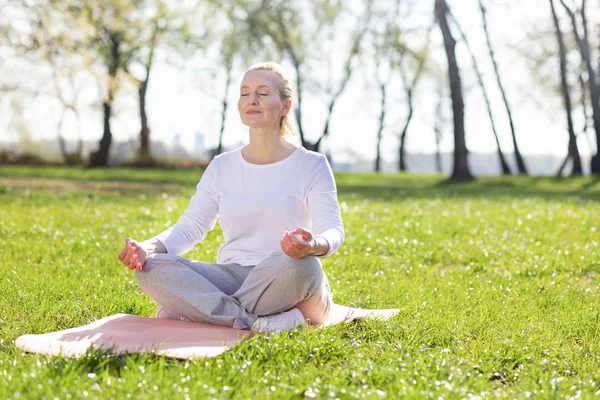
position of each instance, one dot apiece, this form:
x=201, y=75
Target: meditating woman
x=278, y=209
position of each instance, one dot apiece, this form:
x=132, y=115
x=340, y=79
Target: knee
x=301, y=271
x=154, y=266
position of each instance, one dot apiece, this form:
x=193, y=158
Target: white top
x=256, y=204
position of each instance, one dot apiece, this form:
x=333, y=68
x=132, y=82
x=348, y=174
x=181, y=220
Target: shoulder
x=215, y=168
x=311, y=158
x=226, y=157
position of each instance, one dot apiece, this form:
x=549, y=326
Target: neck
x=266, y=146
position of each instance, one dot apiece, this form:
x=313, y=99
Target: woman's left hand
x=298, y=243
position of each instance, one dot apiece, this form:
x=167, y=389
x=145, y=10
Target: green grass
x=497, y=281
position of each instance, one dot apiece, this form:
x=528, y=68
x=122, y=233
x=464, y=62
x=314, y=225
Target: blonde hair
x=285, y=92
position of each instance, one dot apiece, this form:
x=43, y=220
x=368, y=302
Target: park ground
x=497, y=282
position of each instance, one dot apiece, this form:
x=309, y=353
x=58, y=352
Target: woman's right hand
x=134, y=255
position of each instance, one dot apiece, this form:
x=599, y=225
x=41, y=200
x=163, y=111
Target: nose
x=253, y=98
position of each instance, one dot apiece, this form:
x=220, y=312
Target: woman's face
x=260, y=105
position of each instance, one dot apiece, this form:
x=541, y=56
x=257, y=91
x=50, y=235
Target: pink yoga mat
x=135, y=334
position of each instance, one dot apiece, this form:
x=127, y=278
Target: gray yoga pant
x=235, y=295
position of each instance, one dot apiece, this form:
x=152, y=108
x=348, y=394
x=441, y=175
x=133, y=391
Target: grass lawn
x=497, y=281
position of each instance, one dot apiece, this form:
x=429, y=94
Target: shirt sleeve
x=198, y=219
x=324, y=207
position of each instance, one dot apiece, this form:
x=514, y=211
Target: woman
x=278, y=209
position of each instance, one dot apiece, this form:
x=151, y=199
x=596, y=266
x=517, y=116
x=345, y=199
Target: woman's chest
x=268, y=197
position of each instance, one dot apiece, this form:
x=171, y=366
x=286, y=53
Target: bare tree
x=228, y=62
x=113, y=59
x=584, y=109
x=584, y=48
x=409, y=86
x=45, y=41
x=348, y=68
x=292, y=40
x=144, y=154
x=240, y=40
x=145, y=60
x=461, y=169
x=381, y=83
x=503, y=164
x=438, y=130
x=518, y=156
x=573, y=152
x=102, y=27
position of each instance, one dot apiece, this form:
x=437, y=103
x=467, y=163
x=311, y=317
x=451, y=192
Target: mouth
x=252, y=112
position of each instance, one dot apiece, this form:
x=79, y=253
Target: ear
x=287, y=106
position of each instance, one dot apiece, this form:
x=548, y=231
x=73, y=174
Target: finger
x=121, y=255
x=131, y=264
x=297, y=243
x=133, y=261
x=306, y=234
x=285, y=247
x=127, y=255
x=291, y=241
x=130, y=252
x=290, y=249
x=133, y=243
x=138, y=267
x=125, y=251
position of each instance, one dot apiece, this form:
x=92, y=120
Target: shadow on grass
x=105, y=360
x=112, y=174
x=386, y=187
x=579, y=189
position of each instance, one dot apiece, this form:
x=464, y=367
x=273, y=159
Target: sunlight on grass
x=497, y=282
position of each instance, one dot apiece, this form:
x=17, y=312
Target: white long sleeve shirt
x=256, y=204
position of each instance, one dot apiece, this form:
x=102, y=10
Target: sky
x=185, y=99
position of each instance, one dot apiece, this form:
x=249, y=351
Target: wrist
x=319, y=246
x=313, y=246
x=153, y=246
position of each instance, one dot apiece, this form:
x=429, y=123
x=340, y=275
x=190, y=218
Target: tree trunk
x=298, y=110
x=380, y=130
x=573, y=152
x=402, y=149
x=144, y=155
x=100, y=157
x=461, y=167
x=61, y=141
x=437, y=129
x=563, y=165
x=347, y=74
x=518, y=156
x=595, y=96
x=584, y=109
x=225, y=104
x=584, y=48
x=503, y=164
